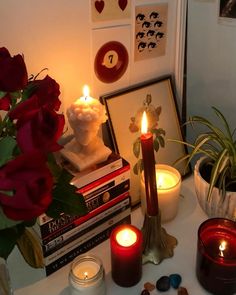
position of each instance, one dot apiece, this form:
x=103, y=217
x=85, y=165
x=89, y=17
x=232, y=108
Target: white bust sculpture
x=85, y=117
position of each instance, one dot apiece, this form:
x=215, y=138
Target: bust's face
x=85, y=136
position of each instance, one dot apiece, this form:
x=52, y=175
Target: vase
x=217, y=206
x=5, y=282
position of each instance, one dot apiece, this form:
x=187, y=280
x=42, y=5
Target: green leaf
x=7, y=146
x=158, y=132
x=53, y=166
x=8, y=238
x=162, y=141
x=6, y=222
x=156, y=144
x=28, y=91
x=138, y=167
x=2, y=94
x=65, y=198
x=137, y=147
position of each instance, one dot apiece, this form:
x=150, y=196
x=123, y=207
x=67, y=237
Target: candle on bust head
x=146, y=139
x=126, y=255
x=168, y=181
x=216, y=256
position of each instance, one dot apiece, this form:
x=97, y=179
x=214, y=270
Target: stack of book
x=106, y=192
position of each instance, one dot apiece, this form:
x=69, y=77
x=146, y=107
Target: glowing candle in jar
x=126, y=255
x=168, y=181
x=216, y=256
x=149, y=168
x=87, y=276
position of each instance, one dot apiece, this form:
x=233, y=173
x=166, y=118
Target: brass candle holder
x=157, y=243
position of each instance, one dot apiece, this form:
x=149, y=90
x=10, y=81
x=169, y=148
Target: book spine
x=82, y=179
x=83, y=244
x=102, y=180
x=102, y=185
x=82, y=229
x=55, y=228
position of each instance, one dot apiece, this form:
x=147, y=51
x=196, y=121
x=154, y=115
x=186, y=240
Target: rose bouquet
x=31, y=181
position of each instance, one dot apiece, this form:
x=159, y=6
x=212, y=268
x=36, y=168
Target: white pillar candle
x=87, y=276
x=168, y=181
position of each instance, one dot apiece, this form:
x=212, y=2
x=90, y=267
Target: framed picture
x=125, y=108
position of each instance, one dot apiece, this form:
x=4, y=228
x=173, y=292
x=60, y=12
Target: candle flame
x=86, y=91
x=222, y=248
x=85, y=275
x=160, y=181
x=126, y=237
x=144, y=124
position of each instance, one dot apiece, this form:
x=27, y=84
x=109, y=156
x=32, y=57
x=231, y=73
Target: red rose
x=45, y=94
x=40, y=131
x=5, y=103
x=31, y=182
x=47, y=91
x=13, y=73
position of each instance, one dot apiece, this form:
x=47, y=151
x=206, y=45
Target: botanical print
x=150, y=31
x=105, y=10
x=153, y=115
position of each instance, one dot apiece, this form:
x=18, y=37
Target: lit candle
x=168, y=181
x=149, y=168
x=216, y=256
x=126, y=255
x=87, y=276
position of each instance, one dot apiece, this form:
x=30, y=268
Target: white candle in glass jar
x=168, y=181
x=87, y=276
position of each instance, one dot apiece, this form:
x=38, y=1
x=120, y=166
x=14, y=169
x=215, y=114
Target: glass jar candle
x=216, y=256
x=87, y=276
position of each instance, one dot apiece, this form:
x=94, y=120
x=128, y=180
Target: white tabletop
x=28, y=281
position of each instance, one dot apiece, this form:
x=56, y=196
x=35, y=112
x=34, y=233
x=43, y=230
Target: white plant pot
x=216, y=206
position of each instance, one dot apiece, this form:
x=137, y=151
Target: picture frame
x=123, y=109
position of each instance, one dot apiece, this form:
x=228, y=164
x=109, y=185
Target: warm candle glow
x=144, y=124
x=86, y=270
x=165, y=179
x=126, y=237
x=160, y=181
x=222, y=248
x=86, y=91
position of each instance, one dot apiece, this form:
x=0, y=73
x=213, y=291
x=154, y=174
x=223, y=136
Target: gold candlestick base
x=157, y=243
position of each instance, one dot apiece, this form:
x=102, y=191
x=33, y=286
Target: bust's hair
x=91, y=114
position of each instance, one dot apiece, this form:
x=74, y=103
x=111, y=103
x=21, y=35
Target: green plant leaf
x=8, y=238
x=138, y=167
x=65, y=198
x=215, y=172
x=156, y=144
x=7, y=146
x=137, y=147
x=2, y=94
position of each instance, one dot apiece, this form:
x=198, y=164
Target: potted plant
x=215, y=170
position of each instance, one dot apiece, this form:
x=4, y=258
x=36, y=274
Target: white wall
x=211, y=70
x=57, y=34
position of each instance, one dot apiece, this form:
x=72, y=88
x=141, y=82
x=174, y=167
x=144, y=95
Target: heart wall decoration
x=122, y=4
x=99, y=5
x=110, y=10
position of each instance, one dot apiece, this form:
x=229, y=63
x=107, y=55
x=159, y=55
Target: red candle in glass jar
x=126, y=255
x=216, y=256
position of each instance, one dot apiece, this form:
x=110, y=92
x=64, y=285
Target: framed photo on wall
x=124, y=109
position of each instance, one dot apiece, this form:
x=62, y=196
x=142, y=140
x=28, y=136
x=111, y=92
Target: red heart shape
x=123, y=4
x=99, y=5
